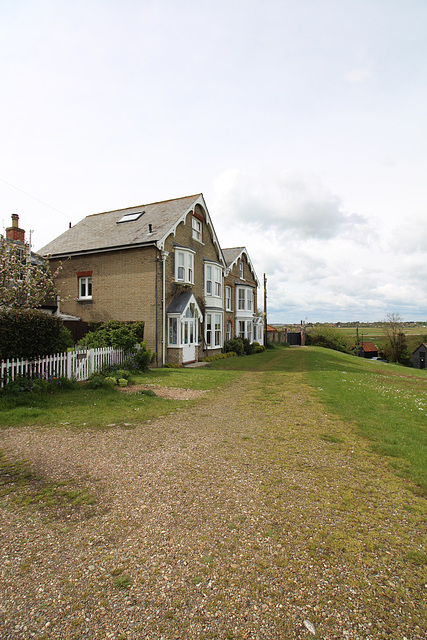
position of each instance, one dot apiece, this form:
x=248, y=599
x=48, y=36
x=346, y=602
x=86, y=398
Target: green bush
x=236, y=345
x=328, y=337
x=258, y=348
x=98, y=381
x=219, y=356
x=248, y=347
x=114, y=334
x=141, y=359
x=28, y=333
x=23, y=385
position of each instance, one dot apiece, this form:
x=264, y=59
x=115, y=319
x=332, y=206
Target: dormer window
x=130, y=217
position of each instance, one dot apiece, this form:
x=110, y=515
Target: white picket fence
x=76, y=365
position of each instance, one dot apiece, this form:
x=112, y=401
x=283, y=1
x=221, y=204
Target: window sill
x=199, y=241
x=84, y=300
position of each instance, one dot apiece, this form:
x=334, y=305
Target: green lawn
x=386, y=403
x=103, y=408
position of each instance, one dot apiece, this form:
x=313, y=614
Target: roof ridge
x=146, y=204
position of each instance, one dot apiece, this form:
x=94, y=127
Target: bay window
x=184, y=266
x=213, y=281
x=245, y=299
x=213, y=334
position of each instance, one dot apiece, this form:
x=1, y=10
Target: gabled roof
x=422, y=345
x=368, y=346
x=234, y=254
x=180, y=303
x=123, y=228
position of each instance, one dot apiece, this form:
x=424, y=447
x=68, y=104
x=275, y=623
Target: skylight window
x=131, y=217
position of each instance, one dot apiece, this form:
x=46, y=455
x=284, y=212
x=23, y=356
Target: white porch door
x=188, y=339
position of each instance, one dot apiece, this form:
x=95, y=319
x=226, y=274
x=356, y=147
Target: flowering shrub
x=25, y=281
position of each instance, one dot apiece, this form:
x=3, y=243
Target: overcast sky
x=303, y=123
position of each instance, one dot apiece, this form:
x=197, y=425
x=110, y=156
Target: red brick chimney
x=14, y=232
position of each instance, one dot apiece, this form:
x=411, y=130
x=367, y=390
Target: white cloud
x=289, y=203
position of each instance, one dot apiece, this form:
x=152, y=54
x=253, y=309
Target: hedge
x=27, y=333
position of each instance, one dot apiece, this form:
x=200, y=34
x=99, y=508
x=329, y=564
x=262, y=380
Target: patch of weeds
x=122, y=581
x=417, y=557
x=328, y=437
x=24, y=488
x=147, y=392
x=197, y=580
x=208, y=560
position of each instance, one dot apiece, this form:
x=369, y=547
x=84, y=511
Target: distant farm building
x=367, y=350
x=419, y=357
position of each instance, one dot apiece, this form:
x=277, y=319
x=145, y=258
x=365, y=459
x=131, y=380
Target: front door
x=188, y=339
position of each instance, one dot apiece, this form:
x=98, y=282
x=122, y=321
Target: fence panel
x=78, y=365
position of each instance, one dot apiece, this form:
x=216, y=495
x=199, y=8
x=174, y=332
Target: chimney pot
x=14, y=232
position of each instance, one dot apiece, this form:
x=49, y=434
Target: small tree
x=396, y=348
x=24, y=283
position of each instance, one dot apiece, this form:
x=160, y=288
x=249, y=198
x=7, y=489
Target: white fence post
x=73, y=364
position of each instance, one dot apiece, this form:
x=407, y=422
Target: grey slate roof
x=101, y=232
x=231, y=255
x=179, y=303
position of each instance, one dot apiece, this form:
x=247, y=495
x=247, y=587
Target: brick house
x=240, y=297
x=160, y=263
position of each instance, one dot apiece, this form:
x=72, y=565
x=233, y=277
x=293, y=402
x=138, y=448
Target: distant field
x=369, y=331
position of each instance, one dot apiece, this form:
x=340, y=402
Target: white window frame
x=242, y=329
x=241, y=267
x=213, y=281
x=228, y=298
x=85, y=286
x=184, y=266
x=173, y=327
x=217, y=282
x=208, y=280
x=242, y=299
x=228, y=330
x=213, y=330
x=245, y=299
x=197, y=228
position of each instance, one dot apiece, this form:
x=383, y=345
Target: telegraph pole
x=265, y=310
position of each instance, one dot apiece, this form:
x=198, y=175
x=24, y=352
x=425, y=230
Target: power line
x=34, y=198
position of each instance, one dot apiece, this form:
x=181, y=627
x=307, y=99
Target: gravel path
x=250, y=515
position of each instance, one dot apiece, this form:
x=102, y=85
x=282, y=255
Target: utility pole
x=265, y=310
x=357, y=340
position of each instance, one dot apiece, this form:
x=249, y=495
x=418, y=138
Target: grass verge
x=388, y=403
